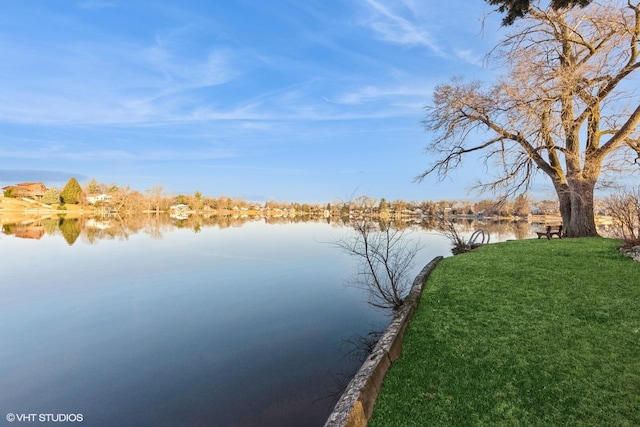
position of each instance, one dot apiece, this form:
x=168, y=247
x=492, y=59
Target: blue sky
x=284, y=100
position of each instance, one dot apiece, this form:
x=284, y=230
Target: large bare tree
x=567, y=106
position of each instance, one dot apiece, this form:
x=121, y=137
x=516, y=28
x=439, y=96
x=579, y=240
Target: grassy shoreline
x=530, y=332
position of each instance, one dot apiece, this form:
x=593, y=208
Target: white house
x=95, y=198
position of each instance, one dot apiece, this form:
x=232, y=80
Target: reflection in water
x=355, y=350
x=228, y=327
x=202, y=321
x=24, y=231
x=358, y=347
x=70, y=229
x=91, y=230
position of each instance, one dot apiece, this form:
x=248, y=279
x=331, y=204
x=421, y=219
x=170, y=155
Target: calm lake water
x=165, y=326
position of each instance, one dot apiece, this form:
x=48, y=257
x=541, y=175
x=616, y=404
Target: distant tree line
x=127, y=201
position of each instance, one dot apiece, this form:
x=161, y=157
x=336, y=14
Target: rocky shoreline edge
x=355, y=406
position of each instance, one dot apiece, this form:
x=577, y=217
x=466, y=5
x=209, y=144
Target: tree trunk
x=564, y=199
x=576, y=208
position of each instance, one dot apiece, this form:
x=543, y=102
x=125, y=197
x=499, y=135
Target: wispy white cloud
x=369, y=94
x=85, y=75
x=421, y=23
x=181, y=72
x=66, y=153
x=319, y=91
x=395, y=28
x=470, y=56
x=101, y=86
x=125, y=81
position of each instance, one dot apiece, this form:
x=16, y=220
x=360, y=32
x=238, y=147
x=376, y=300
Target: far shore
x=20, y=210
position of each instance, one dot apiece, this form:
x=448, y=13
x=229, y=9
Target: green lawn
x=522, y=333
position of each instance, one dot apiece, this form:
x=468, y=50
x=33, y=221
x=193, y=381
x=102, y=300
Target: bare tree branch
x=386, y=258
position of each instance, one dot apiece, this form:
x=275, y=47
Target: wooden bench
x=552, y=230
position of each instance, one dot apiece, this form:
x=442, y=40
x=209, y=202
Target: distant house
x=179, y=211
x=32, y=190
x=100, y=225
x=180, y=207
x=95, y=198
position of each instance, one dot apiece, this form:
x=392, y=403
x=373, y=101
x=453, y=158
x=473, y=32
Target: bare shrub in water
x=386, y=259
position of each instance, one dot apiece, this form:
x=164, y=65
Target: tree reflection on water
x=141, y=292
x=91, y=230
x=70, y=228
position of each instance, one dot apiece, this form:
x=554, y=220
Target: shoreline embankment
x=355, y=406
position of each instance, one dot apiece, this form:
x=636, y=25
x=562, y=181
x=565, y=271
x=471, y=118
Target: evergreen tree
x=71, y=192
x=198, y=200
x=515, y=9
x=383, y=207
x=93, y=187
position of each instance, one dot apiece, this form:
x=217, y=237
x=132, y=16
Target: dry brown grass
x=19, y=210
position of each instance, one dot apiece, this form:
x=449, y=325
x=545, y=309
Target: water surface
x=212, y=326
